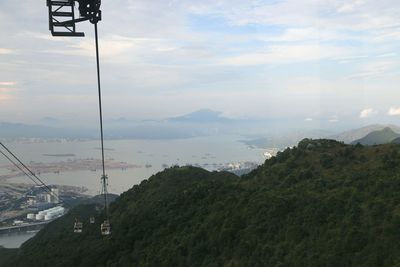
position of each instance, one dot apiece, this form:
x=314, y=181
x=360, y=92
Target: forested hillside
x=321, y=203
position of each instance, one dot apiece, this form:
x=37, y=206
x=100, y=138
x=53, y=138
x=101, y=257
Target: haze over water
x=208, y=152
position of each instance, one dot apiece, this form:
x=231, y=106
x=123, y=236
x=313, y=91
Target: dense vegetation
x=321, y=203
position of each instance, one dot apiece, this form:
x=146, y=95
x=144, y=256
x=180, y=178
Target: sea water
x=14, y=240
x=208, y=152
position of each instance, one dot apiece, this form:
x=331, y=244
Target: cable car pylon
x=62, y=22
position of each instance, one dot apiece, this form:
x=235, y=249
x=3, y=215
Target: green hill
x=321, y=203
x=384, y=136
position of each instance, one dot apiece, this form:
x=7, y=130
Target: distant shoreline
x=71, y=165
x=59, y=155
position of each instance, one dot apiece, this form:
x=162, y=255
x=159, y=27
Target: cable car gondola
x=78, y=226
x=105, y=228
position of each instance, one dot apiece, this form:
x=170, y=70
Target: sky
x=314, y=61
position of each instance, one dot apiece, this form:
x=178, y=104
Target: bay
x=152, y=155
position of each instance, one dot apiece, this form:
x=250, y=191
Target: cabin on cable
x=105, y=228
x=78, y=226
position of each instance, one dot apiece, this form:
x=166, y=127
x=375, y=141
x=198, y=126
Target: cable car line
x=22, y=170
x=20, y=162
x=28, y=172
x=62, y=22
x=104, y=176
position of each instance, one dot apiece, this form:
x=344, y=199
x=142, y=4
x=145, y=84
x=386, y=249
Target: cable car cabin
x=78, y=227
x=92, y=220
x=62, y=19
x=105, y=228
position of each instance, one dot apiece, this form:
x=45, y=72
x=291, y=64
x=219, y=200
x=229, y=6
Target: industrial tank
x=39, y=217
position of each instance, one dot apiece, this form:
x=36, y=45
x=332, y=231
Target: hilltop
x=384, y=136
x=321, y=203
x=355, y=134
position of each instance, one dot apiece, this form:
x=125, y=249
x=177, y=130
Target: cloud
x=7, y=83
x=4, y=95
x=285, y=49
x=365, y=113
x=303, y=34
x=284, y=54
x=351, y=59
x=374, y=69
x=129, y=51
x=5, y=51
x=389, y=54
x=370, y=15
x=110, y=46
x=350, y=6
x=334, y=119
x=394, y=111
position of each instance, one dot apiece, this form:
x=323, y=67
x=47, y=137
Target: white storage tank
x=48, y=217
x=60, y=210
x=50, y=214
x=39, y=217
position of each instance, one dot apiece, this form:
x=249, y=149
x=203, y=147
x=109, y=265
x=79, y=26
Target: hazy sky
x=315, y=60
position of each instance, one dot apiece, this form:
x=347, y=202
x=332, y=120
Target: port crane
x=62, y=23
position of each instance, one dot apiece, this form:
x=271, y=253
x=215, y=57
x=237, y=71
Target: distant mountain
x=201, y=116
x=396, y=140
x=20, y=130
x=199, y=123
x=384, y=136
x=50, y=121
x=284, y=139
x=352, y=135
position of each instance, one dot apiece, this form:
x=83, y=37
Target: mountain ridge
x=384, y=136
x=355, y=134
